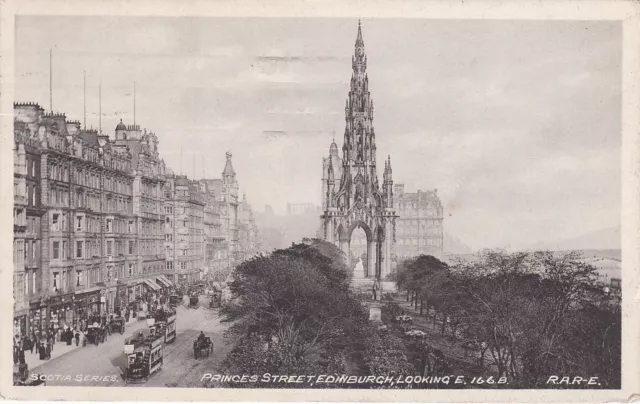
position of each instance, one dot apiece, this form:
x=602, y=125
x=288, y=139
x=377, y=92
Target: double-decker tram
x=165, y=319
x=144, y=352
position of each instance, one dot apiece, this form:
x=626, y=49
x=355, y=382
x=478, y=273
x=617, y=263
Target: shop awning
x=89, y=290
x=165, y=280
x=161, y=282
x=134, y=282
x=152, y=284
x=169, y=281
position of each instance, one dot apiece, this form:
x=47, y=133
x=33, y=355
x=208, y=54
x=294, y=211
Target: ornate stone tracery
x=352, y=196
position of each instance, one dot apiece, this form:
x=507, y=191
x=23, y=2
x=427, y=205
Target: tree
x=414, y=273
x=294, y=307
x=533, y=310
x=324, y=256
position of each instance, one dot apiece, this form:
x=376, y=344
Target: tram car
x=166, y=319
x=145, y=354
x=174, y=300
x=215, y=299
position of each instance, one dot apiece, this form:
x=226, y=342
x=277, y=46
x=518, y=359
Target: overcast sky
x=516, y=123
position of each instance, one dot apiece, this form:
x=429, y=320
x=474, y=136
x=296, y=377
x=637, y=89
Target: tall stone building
x=229, y=208
x=184, y=229
x=419, y=228
x=91, y=226
x=148, y=200
x=352, y=197
x=27, y=216
x=234, y=233
x=248, y=238
x=216, y=249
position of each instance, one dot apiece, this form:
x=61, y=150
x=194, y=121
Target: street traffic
x=104, y=364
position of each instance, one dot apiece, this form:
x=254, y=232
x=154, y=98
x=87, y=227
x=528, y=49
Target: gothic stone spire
x=358, y=138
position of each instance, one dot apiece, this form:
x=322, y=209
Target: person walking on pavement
x=34, y=341
x=15, y=354
x=42, y=351
x=77, y=335
x=50, y=344
x=21, y=358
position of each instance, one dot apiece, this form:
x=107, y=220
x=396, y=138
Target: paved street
x=100, y=365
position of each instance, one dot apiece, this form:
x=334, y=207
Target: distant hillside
x=605, y=239
x=453, y=245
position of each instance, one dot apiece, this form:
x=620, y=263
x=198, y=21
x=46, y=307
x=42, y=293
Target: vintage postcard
x=276, y=201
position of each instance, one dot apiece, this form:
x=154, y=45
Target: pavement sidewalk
x=61, y=348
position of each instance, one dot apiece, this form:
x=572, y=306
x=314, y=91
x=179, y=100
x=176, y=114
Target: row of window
x=26, y=253
x=150, y=206
x=25, y=284
x=89, y=248
x=69, y=279
x=58, y=172
x=91, y=224
x=415, y=231
x=152, y=190
x=33, y=163
x=58, y=196
x=120, y=186
x=86, y=178
x=19, y=216
x=183, y=265
x=117, y=164
x=414, y=222
x=121, y=271
x=91, y=179
x=31, y=249
x=28, y=192
x=413, y=241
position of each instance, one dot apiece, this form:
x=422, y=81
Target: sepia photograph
x=346, y=202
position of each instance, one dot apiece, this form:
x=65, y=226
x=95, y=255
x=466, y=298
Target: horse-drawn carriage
x=193, y=301
x=202, y=347
x=117, y=325
x=199, y=288
x=95, y=335
x=174, y=300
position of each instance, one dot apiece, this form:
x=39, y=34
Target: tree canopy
x=536, y=313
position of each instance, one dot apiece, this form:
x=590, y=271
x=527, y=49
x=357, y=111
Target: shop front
x=153, y=290
x=39, y=319
x=62, y=313
x=37, y=311
x=20, y=324
x=121, y=300
x=111, y=299
x=134, y=297
x=88, y=305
